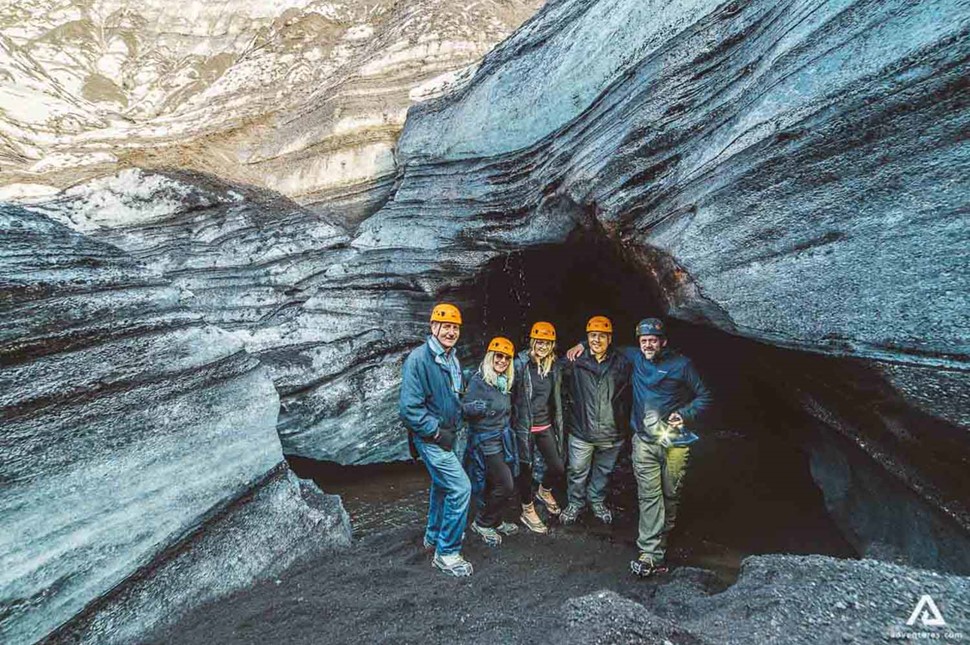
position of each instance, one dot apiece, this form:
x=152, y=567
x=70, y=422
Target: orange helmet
x=600, y=323
x=502, y=346
x=443, y=312
x=543, y=331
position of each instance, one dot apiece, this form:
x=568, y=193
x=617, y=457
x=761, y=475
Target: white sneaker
x=454, y=565
x=490, y=536
x=507, y=528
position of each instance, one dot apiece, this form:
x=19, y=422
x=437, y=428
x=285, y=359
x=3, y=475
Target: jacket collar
x=438, y=350
x=664, y=355
x=589, y=362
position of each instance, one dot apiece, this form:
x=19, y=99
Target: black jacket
x=598, y=398
x=522, y=408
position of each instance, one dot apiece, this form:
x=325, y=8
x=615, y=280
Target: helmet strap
x=436, y=331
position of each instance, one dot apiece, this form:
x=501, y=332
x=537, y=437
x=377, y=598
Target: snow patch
x=64, y=160
x=359, y=32
x=129, y=198
x=443, y=83
x=26, y=193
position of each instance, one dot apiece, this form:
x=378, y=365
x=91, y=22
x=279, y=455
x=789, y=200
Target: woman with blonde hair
x=491, y=456
x=537, y=422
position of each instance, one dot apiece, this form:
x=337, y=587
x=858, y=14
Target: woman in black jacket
x=491, y=457
x=537, y=422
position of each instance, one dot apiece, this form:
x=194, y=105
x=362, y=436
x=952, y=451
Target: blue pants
x=450, y=493
x=589, y=470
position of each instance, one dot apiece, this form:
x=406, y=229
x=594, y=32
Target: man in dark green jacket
x=667, y=392
x=597, y=389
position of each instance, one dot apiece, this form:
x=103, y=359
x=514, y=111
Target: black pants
x=498, y=490
x=545, y=443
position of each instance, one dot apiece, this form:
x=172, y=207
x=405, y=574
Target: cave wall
x=273, y=275
x=306, y=97
x=739, y=139
x=142, y=473
x=790, y=172
x=786, y=171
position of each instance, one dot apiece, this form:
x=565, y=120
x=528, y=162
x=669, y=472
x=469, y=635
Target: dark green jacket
x=598, y=398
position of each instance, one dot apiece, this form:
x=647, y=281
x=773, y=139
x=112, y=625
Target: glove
x=478, y=408
x=445, y=439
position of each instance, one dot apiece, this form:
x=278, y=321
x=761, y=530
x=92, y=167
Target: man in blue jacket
x=431, y=385
x=667, y=392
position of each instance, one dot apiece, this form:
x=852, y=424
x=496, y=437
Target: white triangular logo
x=927, y=612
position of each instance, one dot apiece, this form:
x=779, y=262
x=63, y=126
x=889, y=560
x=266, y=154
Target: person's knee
x=649, y=493
x=671, y=496
x=504, y=487
x=555, y=469
x=460, y=489
x=504, y=490
x=645, y=473
x=645, y=476
x=639, y=460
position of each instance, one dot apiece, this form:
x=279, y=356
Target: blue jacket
x=663, y=386
x=487, y=426
x=428, y=399
x=498, y=406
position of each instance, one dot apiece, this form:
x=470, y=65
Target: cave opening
x=749, y=487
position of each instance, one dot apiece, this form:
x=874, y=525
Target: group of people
x=529, y=413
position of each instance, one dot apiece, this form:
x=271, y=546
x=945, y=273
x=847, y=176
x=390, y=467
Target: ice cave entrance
x=749, y=487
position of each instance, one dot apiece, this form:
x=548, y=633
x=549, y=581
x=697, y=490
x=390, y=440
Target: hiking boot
x=570, y=514
x=644, y=566
x=490, y=536
x=602, y=513
x=545, y=496
x=532, y=520
x=453, y=565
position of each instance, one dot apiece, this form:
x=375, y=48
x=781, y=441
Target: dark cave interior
x=753, y=484
x=748, y=488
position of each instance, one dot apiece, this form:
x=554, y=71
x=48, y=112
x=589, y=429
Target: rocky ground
x=385, y=590
x=571, y=587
